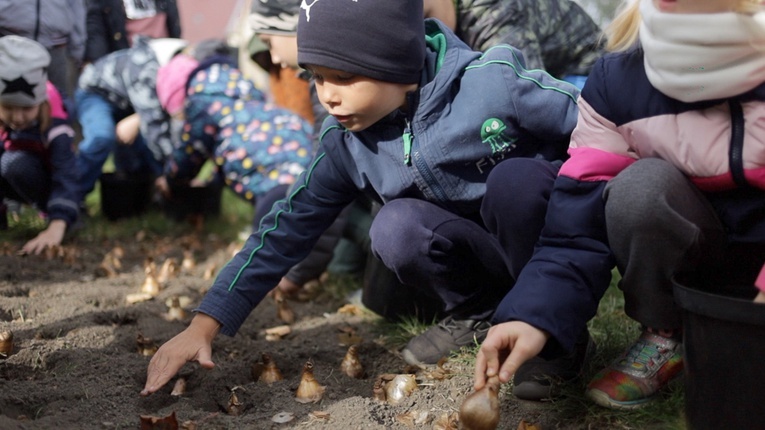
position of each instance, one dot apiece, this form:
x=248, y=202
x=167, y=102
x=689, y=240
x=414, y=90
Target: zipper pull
x=407, y=145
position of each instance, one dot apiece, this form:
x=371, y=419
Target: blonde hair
x=44, y=119
x=622, y=32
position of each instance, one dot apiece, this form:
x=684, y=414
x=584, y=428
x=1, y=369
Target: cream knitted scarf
x=693, y=57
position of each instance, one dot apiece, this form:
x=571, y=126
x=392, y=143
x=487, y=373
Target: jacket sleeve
x=96, y=45
x=285, y=237
x=572, y=261
x=63, y=200
x=544, y=108
x=173, y=19
x=78, y=35
x=317, y=261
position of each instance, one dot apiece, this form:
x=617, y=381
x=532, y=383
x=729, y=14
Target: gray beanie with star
x=23, y=71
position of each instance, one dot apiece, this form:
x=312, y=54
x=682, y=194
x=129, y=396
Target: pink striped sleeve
x=56, y=102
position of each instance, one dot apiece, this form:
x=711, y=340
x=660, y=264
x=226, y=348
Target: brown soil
x=76, y=362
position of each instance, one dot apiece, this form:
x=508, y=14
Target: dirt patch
x=76, y=362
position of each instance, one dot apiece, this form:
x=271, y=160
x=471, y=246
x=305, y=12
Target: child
x=37, y=164
x=259, y=148
x=419, y=121
x=665, y=179
x=114, y=87
x=555, y=35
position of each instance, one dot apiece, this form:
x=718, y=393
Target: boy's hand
x=192, y=344
x=507, y=346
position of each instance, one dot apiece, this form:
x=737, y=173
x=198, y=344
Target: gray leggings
x=660, y=225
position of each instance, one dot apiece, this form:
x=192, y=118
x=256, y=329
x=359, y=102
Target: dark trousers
x=660, y=225
x=24, y=178
x=469, y=264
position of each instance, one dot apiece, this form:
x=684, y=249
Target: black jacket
x=106, y=26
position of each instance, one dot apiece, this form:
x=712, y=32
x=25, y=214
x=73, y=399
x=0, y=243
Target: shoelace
x=644, y=353
x=448, y=324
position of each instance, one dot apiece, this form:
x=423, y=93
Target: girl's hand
x=51, y=236
x=127, y=129
x=507, y=346
x=162, y=186
x=192, y=344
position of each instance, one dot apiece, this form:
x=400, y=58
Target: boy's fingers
x=205, y=359
x=480, y=370
x=511, y=364
x=487, y=363
x=160, y=371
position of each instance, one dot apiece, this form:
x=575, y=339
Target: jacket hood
x=446, y=58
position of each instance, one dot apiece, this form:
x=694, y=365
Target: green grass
x=235, y=215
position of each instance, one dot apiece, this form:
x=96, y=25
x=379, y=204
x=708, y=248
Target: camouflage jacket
x=555, y=35
x=128, y=80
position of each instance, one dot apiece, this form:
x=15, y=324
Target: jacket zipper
x=411, y=146
x=407, y=143
x=736, y=151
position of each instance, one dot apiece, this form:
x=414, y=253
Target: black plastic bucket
x=724, y=347
x=193, y=200
x=124, y=196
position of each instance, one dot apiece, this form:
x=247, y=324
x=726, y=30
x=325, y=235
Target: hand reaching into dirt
x=51, y=236
x=507, y=346
x=192, y=344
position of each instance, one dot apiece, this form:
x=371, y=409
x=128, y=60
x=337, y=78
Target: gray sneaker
x=539, y=379
x=439, y=341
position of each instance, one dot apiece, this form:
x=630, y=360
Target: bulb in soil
x=175, y=312
x=188, y=263
x=480, y=410
x=179, y=388
x=168, y=271
x=283, y=310
x=210, y=271
x=447, y=421
x=6, y=343
x=149, y=422
x=150, y=284
x=270, y=373
x=235, y=405
x=351, y=365
x=399, y=388
x=146, y=346
x=309, y=390
x=378, y=390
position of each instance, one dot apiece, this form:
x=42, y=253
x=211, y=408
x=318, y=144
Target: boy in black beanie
x=428, y=128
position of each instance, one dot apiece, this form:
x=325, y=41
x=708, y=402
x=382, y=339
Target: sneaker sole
x=604, y=400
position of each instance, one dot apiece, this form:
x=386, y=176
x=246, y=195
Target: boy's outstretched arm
x=507, y=346
x=192, y=344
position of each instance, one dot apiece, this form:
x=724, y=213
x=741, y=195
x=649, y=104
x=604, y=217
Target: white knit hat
x=23, y=71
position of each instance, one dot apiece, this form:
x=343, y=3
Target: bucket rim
x=718, y=306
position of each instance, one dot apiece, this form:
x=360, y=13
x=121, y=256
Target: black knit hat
x=379, y=39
